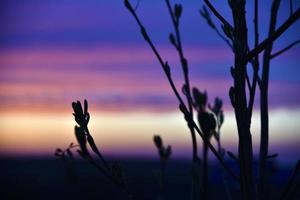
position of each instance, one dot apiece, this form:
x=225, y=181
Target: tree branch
x=290, y=21
x=255, y=63
x=205, y=14
x=216, y=13
x=284, y=49
x=184, y=66
x=167, y=73
x=264, y=108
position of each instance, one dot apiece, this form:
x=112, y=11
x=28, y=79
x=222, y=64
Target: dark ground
x=42, y=178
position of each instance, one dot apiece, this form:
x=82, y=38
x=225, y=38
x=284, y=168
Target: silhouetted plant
x=207, y=122
x=67, y=158
x=237, y=34
x=114, y=172
x=186, y=110
x=164, y=155
x=238, y=41
x=66, y=152
x=210, y=119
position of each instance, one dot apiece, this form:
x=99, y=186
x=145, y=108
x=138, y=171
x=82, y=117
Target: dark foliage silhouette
x=210, y=118
x=164, y=155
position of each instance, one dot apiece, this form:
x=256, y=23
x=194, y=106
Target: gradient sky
x=54, y=52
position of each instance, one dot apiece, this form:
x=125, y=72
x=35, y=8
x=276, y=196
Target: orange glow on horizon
x=129, y=133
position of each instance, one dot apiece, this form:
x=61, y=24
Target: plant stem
x=205, y=171
x=264, y=140
x=181, y=102
x=274, y=55
x=240, y=107
x=186, y=76
x=290, y=21
x=255, y=63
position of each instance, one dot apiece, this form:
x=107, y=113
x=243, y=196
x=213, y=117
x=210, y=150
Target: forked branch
x=166, y=69
x=290, y=21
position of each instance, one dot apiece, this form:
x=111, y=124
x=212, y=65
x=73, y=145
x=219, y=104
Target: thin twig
x=264, y=110
x=109, y=176
x=255, y=63
x=137, y=5
x=290, y=21
x=216, y=13
x=274, y=55
x=95, y=149
x=248, y=82
x=148, y=40
x=184, y=66
x=205, y=14
x=223, y=37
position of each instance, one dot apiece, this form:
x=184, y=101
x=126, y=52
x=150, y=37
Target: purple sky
x=53, y=52
x=45, y=43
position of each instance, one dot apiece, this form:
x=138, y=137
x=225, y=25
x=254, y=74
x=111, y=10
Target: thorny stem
x=148, y=40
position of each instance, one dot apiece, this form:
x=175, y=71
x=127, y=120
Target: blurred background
x=56, y=52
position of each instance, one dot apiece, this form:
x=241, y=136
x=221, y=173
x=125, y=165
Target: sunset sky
x=55, y=52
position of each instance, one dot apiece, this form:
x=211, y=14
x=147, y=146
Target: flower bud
x=178, y=10
x=157, y=141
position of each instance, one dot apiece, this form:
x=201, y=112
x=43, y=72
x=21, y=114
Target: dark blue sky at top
x=97, y=22
x=40, y=25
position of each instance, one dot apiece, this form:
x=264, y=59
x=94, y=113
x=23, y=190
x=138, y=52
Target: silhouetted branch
x=290, y=21
x=84, y=137
x=205, y=14
x=164, y=65
x=284, y=49
x=233, y=157
x=248, y=81
x=255, y=63
x=95, y=149
x=137, y=5
x=166, y=69
x=175, y=16
x=110, y=176
x=217, y=14
x=264, y=110
x=164, y=155
x=238, y=96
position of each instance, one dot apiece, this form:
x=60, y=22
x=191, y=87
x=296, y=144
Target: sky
x=53, y=52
